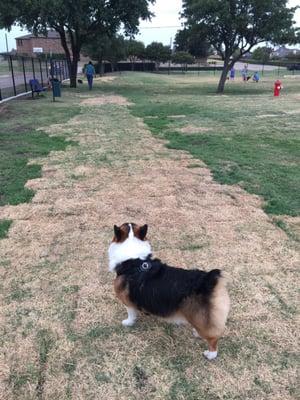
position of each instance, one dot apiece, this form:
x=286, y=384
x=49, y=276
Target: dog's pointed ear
x=143, y=231
x=117, y=232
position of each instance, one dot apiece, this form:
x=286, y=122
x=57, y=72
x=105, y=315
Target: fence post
x=47, y=72
x=33, y=71
x=24, y=74
x=12, y=75
x=40, y=64
x=60, y=75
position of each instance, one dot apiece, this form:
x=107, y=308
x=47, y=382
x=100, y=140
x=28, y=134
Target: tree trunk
x=100, y=66
x=71, y=61
x=223, y=77
x=73, y=73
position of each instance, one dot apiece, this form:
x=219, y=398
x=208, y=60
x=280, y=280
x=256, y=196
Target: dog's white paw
x=196, y=334
x=210, y=355
x=128, y=322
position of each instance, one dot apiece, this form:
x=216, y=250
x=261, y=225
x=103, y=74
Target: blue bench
x=36, y=87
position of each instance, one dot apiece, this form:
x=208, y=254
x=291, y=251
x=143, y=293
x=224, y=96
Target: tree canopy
x=76, y=21
x=233, y=27
x=135, y=50
x=192, y=40
x=182, y=57
x=106, y=48
x=157, y=52
x=262, y=53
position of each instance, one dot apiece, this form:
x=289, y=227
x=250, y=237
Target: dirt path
x=60, y=320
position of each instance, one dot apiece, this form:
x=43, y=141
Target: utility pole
x=170, y=56
x=9, y=63
x=6, y=43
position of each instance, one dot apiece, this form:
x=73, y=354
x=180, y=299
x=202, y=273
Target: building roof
x=283, y=51
x=50, y=35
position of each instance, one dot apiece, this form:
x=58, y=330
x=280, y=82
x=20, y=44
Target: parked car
x=293, y=67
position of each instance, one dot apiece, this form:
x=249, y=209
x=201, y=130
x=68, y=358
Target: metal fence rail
x=16, y=72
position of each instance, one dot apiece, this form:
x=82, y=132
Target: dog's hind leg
x=132, y=316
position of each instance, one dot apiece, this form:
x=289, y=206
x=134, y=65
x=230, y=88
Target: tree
x=96, y=49
x=107, y=48
x=135, y=51
x=182, y=57
x=116, y=51
x=158, y=53
x=76, y=21
x=233, y=27
x=193, y=41
x=262, y=54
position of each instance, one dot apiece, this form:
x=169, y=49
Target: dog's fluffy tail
x=209, y=282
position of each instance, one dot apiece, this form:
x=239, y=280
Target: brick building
x=31, y=45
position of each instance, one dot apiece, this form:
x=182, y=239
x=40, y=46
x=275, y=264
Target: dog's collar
x=133, y=265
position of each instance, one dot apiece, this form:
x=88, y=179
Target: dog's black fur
x=159, y=289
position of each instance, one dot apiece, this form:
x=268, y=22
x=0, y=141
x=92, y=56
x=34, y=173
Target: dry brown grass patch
x=109, y=99
x=55, y=275
x=194, y=129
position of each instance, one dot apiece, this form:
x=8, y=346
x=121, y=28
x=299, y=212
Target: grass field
x=252, y=140
x=217, y=180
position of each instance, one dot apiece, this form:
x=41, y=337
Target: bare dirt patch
x=177, y=116
x=60, y=319
x=3, y=109
x=105, y=78
x=194, y=129
x=111, y=99
x=293, y=112
x=267, y=116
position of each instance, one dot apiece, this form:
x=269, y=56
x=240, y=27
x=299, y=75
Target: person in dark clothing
x=90, y=72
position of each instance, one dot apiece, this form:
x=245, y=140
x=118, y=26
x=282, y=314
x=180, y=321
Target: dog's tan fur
x=207, y=318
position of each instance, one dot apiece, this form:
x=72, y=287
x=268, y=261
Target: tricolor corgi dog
x=145, y=284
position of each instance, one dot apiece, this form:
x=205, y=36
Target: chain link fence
x=16, y=72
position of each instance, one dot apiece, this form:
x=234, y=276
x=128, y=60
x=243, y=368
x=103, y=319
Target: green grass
x=21, y=141
x=285, y=227
x=4, y=227
x=251, y=139
x=16, y=149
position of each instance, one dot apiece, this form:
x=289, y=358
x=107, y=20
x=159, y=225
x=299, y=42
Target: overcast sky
x=162, y=27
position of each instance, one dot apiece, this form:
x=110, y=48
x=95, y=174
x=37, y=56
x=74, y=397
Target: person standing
x=232, y=74
x=245, y=73
x=90, y=72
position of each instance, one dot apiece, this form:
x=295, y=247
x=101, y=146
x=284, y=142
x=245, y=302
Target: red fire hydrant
x=277, y=87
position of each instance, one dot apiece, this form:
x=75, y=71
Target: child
x=255, y=77
x=245, y=73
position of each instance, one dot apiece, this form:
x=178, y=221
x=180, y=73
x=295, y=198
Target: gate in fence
x=16, y=72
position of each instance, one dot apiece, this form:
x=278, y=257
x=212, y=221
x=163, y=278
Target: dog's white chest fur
x=132, y=247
